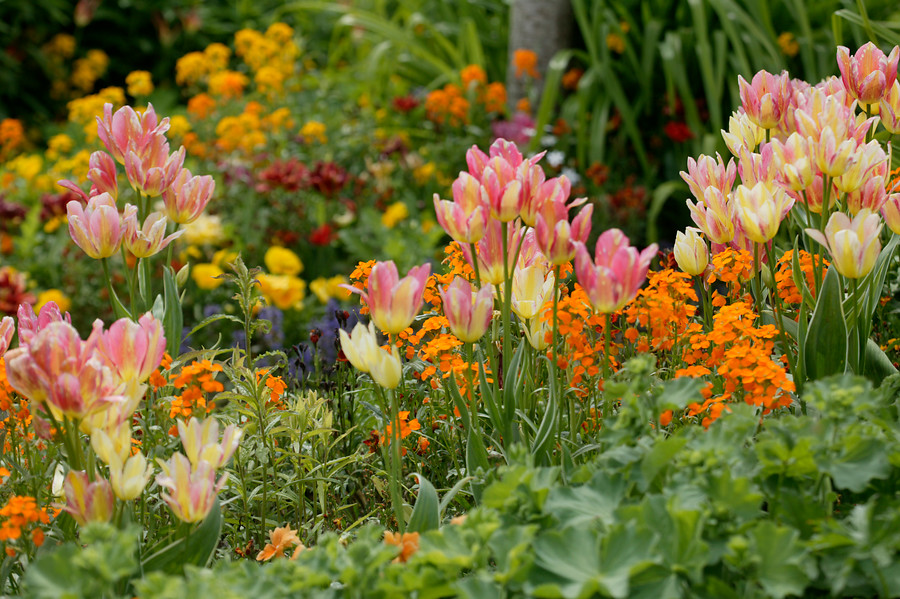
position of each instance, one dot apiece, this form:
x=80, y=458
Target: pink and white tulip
x=869, y=73
x=613, y=277
x=468, y=313
x=190, y=491
x=97, y=229
x=394, y=302
x=854, y=245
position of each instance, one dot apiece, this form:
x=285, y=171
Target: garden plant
x=270, y=331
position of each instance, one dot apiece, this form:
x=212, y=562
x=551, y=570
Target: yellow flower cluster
x=273, y=49
x=84, y=110
x=86, y=71
x=314, y=130
x=326, y=288
x=139, y=84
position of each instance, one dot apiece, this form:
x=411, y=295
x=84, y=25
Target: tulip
x=113, y=444
x=149, y=239
x=761, y=209
x=868, y=73
x=468, y=313
x=103, y=174
x=536, y=331
x=394, y=302
x=793, y=162
x=187, y=196
x=709, y=172
x=871, y=195
x=854, y=245
x=96, y=229
x=490, y=251
x=868, y=161
x=613, y=277
x=385, y=368
x=766, y=97
x=531, y=287
x=88, y=501
x=555, y=237
x=890, y=210
x=714, y=215
x=134, y=348
x=889, y=109
x=742, y=133
x=691, y=252
x=155, y=170
x=191, y=491
x=535, y=188
x=464, y=218
x=504, y=190
x=200, y=439
x=128, y=479
x=126, y=130
x=61, y=370
x=7, y=328
x=360, y=345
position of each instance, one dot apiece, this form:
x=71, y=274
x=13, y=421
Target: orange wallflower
x=472, y=75
x=18, y=513
x=525, y=63
x=201, y=106
x=280, y=539
x=408, y=543
x=195, y=380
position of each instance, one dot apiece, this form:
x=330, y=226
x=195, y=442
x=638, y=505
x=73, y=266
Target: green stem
x=758, y=279
x=475, y=266
x=776, y=304
x=607, y=334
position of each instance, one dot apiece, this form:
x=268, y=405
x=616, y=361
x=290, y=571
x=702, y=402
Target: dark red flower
x=322, y=236
x=678, y=132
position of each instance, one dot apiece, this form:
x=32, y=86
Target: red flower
x=678, y=132
x=322, y=236
x=405, y=103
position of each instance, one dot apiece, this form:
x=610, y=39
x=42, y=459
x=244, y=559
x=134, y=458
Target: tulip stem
x=758, y=279
x=607, y=334
x=475, y=267
x=554, y=366
x=392, y=455
x=507, y=340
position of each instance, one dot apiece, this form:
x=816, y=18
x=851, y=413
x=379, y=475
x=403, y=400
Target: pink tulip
x=616, y=273
x=889, y=108
x=868, y=161
x=200, y=439
x=7, y=329
x=88, y=501
x=815, y=194
x=868, y=73
x=504, y=190
x=792, y=162
x=152, y=172
x=149, y=239
x=61, y=370
x=187, y=196
x=30, y=324
x=490, y=251
x=714, y=215
x=103, y=174
x=890, y=210
x=468, y=313
x=126, y=130
x=871, y=195
x=505, y=150
x=191, y=491
x=465, y=217
x=709, y=172
x=535, y=188
x=394, y=302
x=135, y=349
x=758, y=167
x=97, y=229
x=854, y=245
x=766, y=98
x=761, y=209
x=555, y=237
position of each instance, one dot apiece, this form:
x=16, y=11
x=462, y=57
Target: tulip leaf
x=174, y=319
x=426, y=513
x=826, y=338
x=196, y=548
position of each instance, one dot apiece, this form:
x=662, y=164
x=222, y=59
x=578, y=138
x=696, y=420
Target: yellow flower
x=229, y=84
x=207, y=229
x=283, y=291
x=282, y=261
x=268, y=79
x=224, y=257
x=395, y=213
x=61, y=45
x=53, y=295
x=59, y=144
x=788, y=44
x=179, y=126
x=191, y=68
x=314, y=130
x=139, y=83
x=26, y=166
x=205, y=274
x=424, y=173
x=325, y=289
x=615, y=43
x=280, y=33
x=217, y=56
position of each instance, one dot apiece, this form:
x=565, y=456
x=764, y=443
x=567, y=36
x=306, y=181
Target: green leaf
x=582, y=505
x=196, y=549
x=426, y=513
x=826, y=339
x=780, y=559
x=859, y=460
x=174, y=319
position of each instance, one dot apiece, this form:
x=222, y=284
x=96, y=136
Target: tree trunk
x=543, y=26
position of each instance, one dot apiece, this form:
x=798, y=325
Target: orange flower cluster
x=18, y=513
x=661, y=312
x=732, y=267
x=406, y=427
x=784, y=276
x=195, y=380
x=741, y=354
x=17, y=423
x=447, y=105
x=12, y=137
x=276, y=386
x=408, y=543
x=525, y=63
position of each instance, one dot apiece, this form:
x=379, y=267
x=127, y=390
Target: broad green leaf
x=426, y=513
x=780, y=560
x=826, y=339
